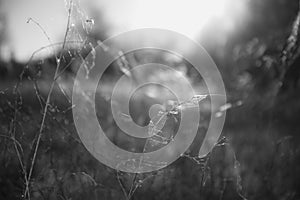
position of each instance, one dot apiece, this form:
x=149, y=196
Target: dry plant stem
x=44, y=32
x=27, y=192
x=41, y=28
x=48, y=46
x=13, y=137
x=122, y=186
x=134, y=186
x=12, y=132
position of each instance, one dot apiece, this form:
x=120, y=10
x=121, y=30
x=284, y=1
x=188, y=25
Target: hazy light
x=187, y=17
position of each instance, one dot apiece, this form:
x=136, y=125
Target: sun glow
x=187, y=17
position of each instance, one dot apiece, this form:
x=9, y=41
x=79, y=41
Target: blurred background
x=255, y=45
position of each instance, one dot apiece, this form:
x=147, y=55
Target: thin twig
x=122, y=186
x=48, y=100
x=12, y=131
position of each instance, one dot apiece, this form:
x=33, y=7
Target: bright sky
x=185, y=16
x=24, y=37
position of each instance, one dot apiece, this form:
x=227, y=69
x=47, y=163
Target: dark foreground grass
x=258, y=160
